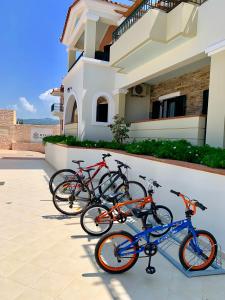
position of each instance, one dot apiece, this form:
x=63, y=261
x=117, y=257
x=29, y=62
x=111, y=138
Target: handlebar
x=190, y=203
x=121, y=164
x=175, y=193
x=200, y=205
x=105, y=155
x=151, y=181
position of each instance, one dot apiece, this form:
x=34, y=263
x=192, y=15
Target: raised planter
x=202, y=183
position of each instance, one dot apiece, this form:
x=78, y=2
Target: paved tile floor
x=44, y=256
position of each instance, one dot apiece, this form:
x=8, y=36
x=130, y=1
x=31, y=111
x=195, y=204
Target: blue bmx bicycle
x=117, y=252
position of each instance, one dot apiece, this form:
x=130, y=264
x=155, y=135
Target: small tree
x=120, y=129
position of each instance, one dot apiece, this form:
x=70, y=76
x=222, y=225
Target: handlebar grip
x=175, y=193
x=106, y=155
x=201, y=206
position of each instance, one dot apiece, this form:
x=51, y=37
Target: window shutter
x=156, y=109
x=205, y=102
x=180, y=106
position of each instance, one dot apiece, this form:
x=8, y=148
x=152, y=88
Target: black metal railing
x=57, y=107
x=143, y=8
x=76, y=61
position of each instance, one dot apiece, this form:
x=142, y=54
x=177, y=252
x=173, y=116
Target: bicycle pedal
x=150, y=270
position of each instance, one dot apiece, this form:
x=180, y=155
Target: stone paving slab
x=46, y=257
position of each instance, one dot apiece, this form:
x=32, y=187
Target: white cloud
x=46, y=96
x=27, y=105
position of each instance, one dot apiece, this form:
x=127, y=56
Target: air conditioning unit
x=139, y=90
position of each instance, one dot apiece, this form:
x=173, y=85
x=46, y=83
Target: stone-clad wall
x=19, y=137
x=192, y=85
x=7, y=117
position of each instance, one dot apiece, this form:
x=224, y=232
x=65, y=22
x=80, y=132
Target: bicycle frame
x=179, y=226
x=141, y=204
x=99, y=166
x=112, y=180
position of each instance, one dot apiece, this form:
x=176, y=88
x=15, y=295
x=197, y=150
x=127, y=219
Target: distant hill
x=44, y=121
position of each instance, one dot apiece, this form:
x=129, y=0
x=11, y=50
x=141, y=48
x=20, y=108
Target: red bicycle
x=70, y=175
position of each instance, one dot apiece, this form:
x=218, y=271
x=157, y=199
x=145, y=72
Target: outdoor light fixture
x=69, y=89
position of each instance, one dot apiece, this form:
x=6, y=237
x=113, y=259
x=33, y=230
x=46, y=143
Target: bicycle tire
x=103, y=178
x=115, y=270
x=184, y=246
x=123, y=186
x=57, y=200
x=157, y=207
x=85, y=212
x=51, y=188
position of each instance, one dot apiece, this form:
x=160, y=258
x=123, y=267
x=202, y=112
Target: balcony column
x=90, y=35
x=215, y=132
x=71, y=57
x=120, y=101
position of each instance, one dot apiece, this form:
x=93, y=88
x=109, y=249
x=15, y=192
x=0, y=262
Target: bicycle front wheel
x=198, y=254
x=132, y=190
x=158, y=216
x=95, y=220
x=106, y=252
x=105, y=182
x=71, y=198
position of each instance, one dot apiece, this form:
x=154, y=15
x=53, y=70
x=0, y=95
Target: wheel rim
x=96, y=220
x=106, y=182
x=71, y=198
x=107, y=254
x=61, y=177
x=194, y=260
x=164, y=217
x=131, y=191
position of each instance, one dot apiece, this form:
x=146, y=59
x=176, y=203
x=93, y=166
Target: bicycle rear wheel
x=61, y=176
x=198, y=256
x=92, y=223
x=160, y=216
x=106, y=252
x=71, y=198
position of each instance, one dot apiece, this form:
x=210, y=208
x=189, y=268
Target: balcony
x=190, y=128
x=57, y=110
x=152, y=29
x=143, y=8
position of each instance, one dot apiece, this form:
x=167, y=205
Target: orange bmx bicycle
x=98, y=219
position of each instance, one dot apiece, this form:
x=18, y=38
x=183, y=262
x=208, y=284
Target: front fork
x=194, y=242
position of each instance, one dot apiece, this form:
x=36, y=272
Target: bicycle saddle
x=77, y=161
x=113, y=197
x=140, y=213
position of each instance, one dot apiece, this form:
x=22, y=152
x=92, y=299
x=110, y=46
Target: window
x=102, y=110
x=205, y=102
x=173, y=107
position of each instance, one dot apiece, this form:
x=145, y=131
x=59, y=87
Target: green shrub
x=177, y=150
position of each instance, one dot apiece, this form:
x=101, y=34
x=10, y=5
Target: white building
x=165, y=73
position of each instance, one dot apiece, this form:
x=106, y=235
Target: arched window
x=102, y=110
x=74, y=115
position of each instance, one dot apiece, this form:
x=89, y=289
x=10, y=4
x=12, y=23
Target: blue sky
x=32, y=60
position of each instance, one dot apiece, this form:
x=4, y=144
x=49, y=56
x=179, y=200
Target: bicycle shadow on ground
x=84, y=236
x=57, y=217
x=135, y=283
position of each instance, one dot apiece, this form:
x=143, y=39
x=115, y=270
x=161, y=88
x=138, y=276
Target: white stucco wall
x=206, y=187
x=87, y=81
